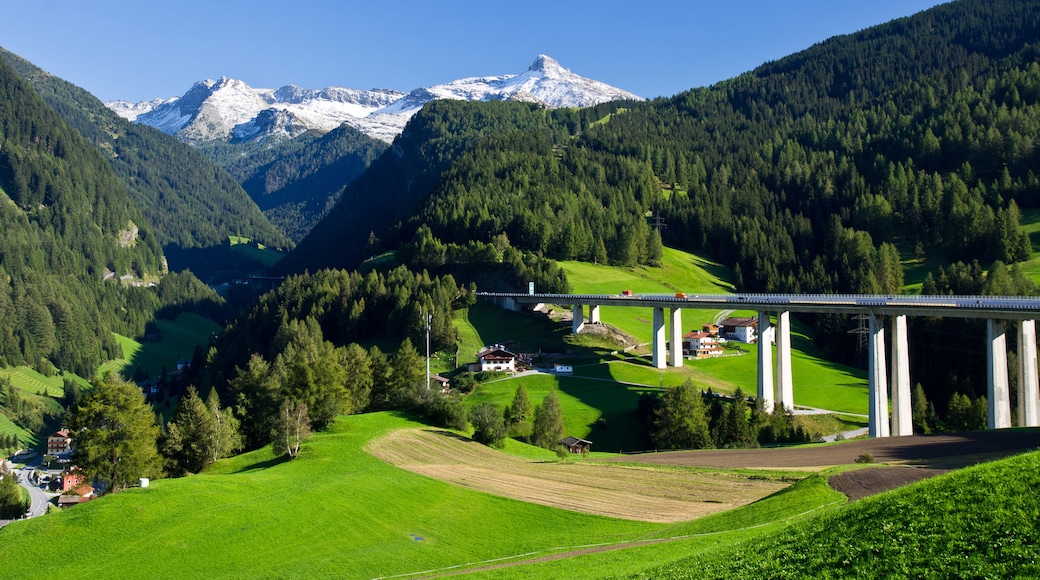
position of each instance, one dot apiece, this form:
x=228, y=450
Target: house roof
x=61, y=433
x=569, y=440
x=495, y=354
x=694, y=334
x=740, y=322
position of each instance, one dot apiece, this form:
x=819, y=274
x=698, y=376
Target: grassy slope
x=1031, y=226
x=979, y=522
x=179, y=338
x=7, y=427
x=30, y=381
x=335, y=512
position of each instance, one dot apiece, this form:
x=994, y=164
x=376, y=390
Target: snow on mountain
x=229, y=109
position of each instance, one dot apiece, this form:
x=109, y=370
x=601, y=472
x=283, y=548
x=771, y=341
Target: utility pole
x=427, y=317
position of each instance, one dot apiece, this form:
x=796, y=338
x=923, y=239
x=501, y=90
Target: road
x=40, y=498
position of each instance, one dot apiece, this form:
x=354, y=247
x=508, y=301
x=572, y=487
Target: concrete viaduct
x=886, y=374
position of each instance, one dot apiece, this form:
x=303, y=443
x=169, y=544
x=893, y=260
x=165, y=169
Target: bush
x=443, y=411
x=865, y=458
x=488, y=426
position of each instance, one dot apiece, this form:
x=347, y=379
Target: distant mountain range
x=229, y=110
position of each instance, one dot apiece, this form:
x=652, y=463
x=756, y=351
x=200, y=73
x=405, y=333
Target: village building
x=59, y=443
x=71, y=478
x=701, y=345
x=76, y=496
x=742, y=329
x=575, y=445
x=495, y=358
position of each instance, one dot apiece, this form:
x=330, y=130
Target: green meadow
x=31, y=381
x=978, y=522
x=178, y=341
x=337, y=512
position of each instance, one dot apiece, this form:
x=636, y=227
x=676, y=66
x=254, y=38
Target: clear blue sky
x=136, y=50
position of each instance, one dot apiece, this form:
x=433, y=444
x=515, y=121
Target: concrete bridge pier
x=785, y=383
x=877, y=380
x=997, y=390
x=902, y=411
x=593, y=313
x=578, y=319
x=765, y=363
x=675, y=354
x=1028, y=383
x=662, y=357
x=659, y=359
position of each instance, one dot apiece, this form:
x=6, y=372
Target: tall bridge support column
x=997, y=392
x=594, y=314
x=877, y=380
x=659, y=358
x=578, y=321
x=676, y=358
x=785, y=384
x=902, y=412
x=765, y=363
x=1028, y=383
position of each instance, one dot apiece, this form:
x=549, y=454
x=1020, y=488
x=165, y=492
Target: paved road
x=40, y=498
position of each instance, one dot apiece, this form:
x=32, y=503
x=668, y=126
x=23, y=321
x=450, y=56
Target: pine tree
x=919, y=404
x=186, y=443
x=115, y=435
x=520, y=409
x=682, y=422
x=548, y=422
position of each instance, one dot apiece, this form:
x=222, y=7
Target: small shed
x=575, y=445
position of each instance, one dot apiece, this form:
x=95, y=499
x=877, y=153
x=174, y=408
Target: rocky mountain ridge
x=230, y=110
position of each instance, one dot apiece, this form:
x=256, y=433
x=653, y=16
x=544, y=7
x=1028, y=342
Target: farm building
x=701, y=344
x=743, y=329
x=440, y=382
x=495, y=358
x=575, y=445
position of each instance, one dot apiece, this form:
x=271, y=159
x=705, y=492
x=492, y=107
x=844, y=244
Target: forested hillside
x=825, y=171
x=190, y=201
x=296, y=190
x=68, y=235
x=500, y=156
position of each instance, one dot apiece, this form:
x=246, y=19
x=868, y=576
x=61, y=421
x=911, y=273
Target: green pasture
x=584, y=401
x=979, y=522
x=7, y=427
x=1031, y=226
x=31, y=381
x=336, y=512
x=179, y=339
x=717, y=534
x=817, y=383
x=255, y=251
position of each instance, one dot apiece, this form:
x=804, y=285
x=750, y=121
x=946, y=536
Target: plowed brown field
x=634, y=493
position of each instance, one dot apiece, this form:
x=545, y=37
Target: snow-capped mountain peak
x=230, y=110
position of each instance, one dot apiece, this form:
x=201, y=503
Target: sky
x=140, y=50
